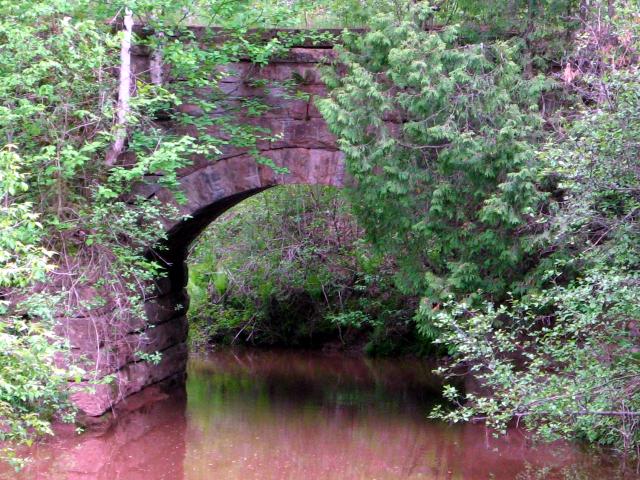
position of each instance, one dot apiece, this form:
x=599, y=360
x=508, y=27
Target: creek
x=256, y=414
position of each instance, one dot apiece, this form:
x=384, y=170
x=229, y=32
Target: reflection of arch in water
x=148, y=441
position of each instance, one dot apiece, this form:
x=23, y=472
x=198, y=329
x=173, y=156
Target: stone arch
x=214, y=189
x=210, y=191
x=304, y=146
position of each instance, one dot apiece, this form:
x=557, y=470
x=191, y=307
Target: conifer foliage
x=437, y=135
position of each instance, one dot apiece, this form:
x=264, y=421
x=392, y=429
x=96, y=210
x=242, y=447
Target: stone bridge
x=211, y=186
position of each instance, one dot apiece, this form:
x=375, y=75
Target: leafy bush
x=574, y=373
x=33, y=363
x=565, y=357
x=287, y=267
x=34, y=376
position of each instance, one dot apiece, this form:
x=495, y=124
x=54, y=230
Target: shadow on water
x=253, y=414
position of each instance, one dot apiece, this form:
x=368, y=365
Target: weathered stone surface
x=94, y=400
x=279, y=106
x=308, y=54
x=88, y=334
x=167, y=307
x=305, y=148
x=282, y=69
x=306, y=166
x=103, y=356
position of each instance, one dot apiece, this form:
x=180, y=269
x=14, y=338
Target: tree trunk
x=124, y=92
x=155, y=62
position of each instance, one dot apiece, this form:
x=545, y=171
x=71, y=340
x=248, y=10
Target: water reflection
x=283, y=415
x=146, y=441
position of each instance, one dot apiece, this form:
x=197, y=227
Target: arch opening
x=270, y=271
x=210, y=191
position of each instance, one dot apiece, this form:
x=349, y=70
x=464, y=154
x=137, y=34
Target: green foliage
x=438, y=135
x=597, y=165
x=33, y=381
x=570, y=374
x=33, y=375
x=564, y=358
x=353, y=319
x=287, y=267
x=22, y=259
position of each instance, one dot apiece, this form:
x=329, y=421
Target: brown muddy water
x=273, y=415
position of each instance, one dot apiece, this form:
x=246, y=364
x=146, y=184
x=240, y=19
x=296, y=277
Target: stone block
x=162, y=309
x=114, y=353
x=96, y=399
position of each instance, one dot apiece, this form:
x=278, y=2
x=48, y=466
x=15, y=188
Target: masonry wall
x=105, y=345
